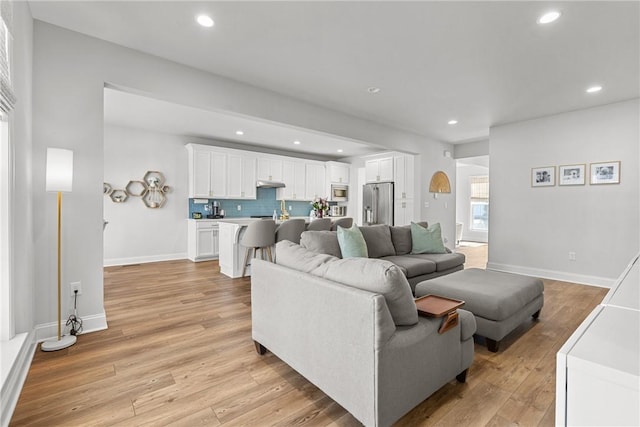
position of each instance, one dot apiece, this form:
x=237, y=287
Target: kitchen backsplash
x=264, y=205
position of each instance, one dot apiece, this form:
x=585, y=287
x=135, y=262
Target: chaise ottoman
x=499, y=301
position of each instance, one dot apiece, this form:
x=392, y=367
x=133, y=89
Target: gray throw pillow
x=322, y=242
x=378, y=238
x=401, y=237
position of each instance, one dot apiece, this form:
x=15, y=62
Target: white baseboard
x=602, y=282
x=90, y=323
x=143, y=259
x=17, y=355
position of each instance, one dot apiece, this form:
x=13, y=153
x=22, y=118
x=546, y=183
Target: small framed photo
x=571, y=174
x=605, y=173
x=543, y=177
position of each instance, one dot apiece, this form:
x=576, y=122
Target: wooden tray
x=436, y=306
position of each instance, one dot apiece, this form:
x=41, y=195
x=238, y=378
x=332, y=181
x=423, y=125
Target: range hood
x=269, y=184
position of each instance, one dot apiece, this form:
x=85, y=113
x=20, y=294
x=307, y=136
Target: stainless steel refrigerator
x=377, y=202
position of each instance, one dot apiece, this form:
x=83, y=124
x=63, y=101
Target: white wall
x=532, y=230
x=136, y=233
x=70, y=71
x=463, y=207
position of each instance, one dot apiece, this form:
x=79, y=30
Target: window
x=479, y=203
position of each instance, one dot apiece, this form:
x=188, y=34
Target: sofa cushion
x=321, y=242
x=427, y=240
x=442, y=261
x=296, y=257
x=377, y=276
x=378, y=238
x=352, y=244
x=401, y=237
x=412, y=266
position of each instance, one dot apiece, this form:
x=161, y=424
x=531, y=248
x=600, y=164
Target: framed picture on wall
x=605, y=173
x=543, y=176
x=571, y=174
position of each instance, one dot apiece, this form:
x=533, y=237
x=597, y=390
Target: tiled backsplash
x=264, y=205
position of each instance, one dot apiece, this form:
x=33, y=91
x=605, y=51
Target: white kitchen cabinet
x=220, y=173
x=598, y=368
x=403, y=177
x=338, y=173
x=241, y=176
x=207, y=173
x=315, y=181
x=403, y=211
x=294, y=178
x=378, y=170
x=269, y=169
x=202, y=240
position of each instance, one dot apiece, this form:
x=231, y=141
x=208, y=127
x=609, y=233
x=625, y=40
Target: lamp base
x=58, y=344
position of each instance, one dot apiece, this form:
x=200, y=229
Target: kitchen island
x=232, y=252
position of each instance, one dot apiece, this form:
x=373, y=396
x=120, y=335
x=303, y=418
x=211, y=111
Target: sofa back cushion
x=321, y=242
x=294, y=256
x=401, y=238
x=373, y=275
x=352, y=244
x=378, y=238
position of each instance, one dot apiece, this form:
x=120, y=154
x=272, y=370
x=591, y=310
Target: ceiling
x=481, y=63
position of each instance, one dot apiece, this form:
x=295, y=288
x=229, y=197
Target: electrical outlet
x=75, y=286
x=572, y=256
x=446, y=205
x=239, y=207
x=290, y=209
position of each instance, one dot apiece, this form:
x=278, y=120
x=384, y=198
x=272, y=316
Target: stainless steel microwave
x=339, y=193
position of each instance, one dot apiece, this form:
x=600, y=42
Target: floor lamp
x=59, y=179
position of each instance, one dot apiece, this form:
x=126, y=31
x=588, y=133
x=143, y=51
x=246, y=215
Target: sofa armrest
x=467, y=324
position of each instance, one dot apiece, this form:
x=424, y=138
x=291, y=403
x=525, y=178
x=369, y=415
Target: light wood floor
x=179, y=351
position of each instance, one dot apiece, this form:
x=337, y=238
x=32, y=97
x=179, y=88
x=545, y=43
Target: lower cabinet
x=403, y=211
x=202, y=240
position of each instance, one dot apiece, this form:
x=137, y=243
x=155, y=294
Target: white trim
x=582, y=279
x=90, y=323
x=7, y=325
x=17, y=354
x=143, y=259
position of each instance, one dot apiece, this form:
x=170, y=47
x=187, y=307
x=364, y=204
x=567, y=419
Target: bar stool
x=319, y=224
x=258, y=235
x=290, y=230
x=342, y=222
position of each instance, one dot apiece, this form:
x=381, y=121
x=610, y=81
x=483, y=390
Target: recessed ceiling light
x=452, y=122
x=549, y=17
x=239, y=132
x=594, y=89
x=340, y=150
x=205, y=20
x=296, y=142
x=373, y=89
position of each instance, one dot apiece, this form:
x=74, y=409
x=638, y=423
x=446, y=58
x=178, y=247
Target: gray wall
x=532, y=230
x=70, y=71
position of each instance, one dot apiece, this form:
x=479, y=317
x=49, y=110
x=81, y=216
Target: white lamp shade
x=59, y=169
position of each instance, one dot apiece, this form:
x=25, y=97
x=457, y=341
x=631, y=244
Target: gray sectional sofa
x=390, y=243
x=350, y=326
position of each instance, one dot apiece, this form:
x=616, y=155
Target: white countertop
x=244, y=221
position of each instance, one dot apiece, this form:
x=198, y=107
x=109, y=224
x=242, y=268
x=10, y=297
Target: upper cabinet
x=315, y=181
x=294, y=178
x=404, y=177
x=269, y=169
x=221, y=173
x=379, y=169
x=338, y=173
x=242, y=176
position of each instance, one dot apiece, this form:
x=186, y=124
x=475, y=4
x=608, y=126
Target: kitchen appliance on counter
x=339, y=193
x=338, y=210
x=377, y=201
x=214, y=209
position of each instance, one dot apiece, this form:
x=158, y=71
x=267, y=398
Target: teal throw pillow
x=427, y=240
x=351, y=241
